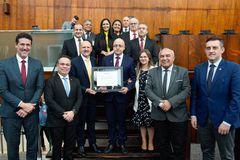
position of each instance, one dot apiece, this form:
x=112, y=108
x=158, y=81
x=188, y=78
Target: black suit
x=126, y=38
x=70, y=48
x=90, y=37
x=149, y=44
x=87, y=111
x=58, y=103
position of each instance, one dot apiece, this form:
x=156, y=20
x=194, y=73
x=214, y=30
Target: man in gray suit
x=168, y=88
x=21, y=85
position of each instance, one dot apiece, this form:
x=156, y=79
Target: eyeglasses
x=118, y=45
x=133, y=23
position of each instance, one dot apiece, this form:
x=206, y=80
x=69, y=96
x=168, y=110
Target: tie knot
x=23, y=61
x=79, y=39
x=65, y=78
x=134, y=34
x=212, y=65
x=141, y=39
x=117, y=57
x=165, y=70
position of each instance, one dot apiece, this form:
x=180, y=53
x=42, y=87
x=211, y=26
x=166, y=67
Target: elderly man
x=116, y=102
x=82, y=70
x=71, y=47
x=168, y=88
x=143, y=42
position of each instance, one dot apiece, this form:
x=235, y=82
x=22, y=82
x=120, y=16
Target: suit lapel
x=203, y=75
x=60, y=84
x=83, y=67
x=74, y=47
x=217, y=74
x=173, y=77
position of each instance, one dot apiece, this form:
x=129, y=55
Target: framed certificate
x=108, y=79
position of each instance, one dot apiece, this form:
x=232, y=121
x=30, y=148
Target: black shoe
x=123, y=149
x=94, y=148
x=109, y=149
x=81, y=151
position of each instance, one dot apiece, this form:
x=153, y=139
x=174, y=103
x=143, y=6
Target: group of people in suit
x=160, y=104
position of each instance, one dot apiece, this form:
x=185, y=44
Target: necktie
x=134, y=35
x=66, y=86
x=23, y=71
x=89, y=70
x=117, y=61
x=141, y=44
x=164, y=85
x=210, y=76
x=125, y=29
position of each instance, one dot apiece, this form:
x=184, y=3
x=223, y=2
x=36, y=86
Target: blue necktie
x=66, y=86
x=210, y=76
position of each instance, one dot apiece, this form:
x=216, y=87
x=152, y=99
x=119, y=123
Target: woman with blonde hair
x=142, y=106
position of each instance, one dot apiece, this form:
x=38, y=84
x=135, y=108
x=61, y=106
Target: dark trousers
x=116, y=113
x=12, y=131
x=87, y=114
x=237, y=144
x=171, y=138
x=208, y=136
x=67, y=135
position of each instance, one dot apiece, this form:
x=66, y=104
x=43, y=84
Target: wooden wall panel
x=177, y=15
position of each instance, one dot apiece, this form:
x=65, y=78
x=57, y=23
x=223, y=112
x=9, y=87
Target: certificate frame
x=109, y=77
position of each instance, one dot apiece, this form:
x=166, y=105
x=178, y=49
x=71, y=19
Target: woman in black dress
x=142, y=106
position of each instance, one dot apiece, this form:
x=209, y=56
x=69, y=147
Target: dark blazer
x=70, y=48
x=58, y=102
x=126, y=38
x=149, y=44
x=100, y=45
x=78, y=70
x=128, y=73
x=221, y=102
x=178, y=92
x=12, y=89
x=90, y=38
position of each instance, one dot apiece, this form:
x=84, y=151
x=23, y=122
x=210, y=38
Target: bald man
x=116, y=102
x=168, y=88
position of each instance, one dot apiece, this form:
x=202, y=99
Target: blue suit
x=12, y=91
x=87, y=111
x=220, y=103
x=115, y=102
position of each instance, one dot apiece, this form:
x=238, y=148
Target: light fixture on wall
x=6, y=7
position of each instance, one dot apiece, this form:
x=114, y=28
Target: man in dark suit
x=63, y=97
x=215, y=101
x=143, y=42
x=116, y=102
x=71, y=47
x=132, y=34
x=21, y=85
x=88, y=34
x=82, y=70
x=168, y=88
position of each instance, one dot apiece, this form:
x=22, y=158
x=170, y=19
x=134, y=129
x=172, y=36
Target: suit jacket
x=149, y=44
x=12, y=89
x=79, y=71
x=221, y=102
x=58, y=101
x=126, y=38
x=90, y=38
x=128, y=73
x=70, y=48
x=178, y=92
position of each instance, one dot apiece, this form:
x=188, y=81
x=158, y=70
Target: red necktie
x=141, y=44
x=117, y=61
x=134, y=35
x=23, y=70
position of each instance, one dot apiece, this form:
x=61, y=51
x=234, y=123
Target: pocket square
x=179, y=80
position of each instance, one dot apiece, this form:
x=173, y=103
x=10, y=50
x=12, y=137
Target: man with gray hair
x=168, y=87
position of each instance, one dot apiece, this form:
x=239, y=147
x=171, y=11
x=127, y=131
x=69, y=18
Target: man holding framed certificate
x=116, y=102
